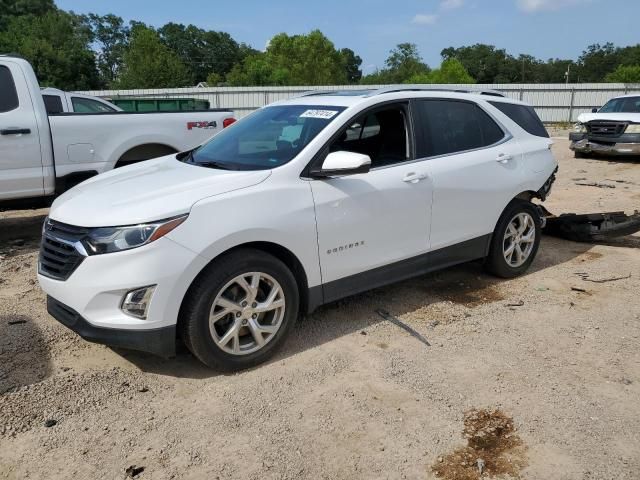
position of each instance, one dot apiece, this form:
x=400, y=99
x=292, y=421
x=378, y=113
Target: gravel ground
x=351, y=395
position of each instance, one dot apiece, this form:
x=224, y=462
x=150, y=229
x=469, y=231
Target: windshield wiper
x=212, y=164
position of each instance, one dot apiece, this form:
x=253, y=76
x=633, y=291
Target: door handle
x=504, y=158
x=15, y=131
x=413, y=177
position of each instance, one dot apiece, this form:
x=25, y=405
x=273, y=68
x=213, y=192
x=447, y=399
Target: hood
x=613, y=117
x=147, y=191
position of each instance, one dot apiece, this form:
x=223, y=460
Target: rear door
x=21, y=173
x=474, y=165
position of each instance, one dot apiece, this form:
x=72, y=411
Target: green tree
x=554, y=70
x=404, y=62
x=624, y=74
x=258, y=70
x=352, y=63
x=292, y=60
x=57, y=45
x=486, y=63
x=110, y=37
x=451, y=71
x=148, y=63
x=17, y=8
x=214, y=79
x=203, y=52
x=597, y=61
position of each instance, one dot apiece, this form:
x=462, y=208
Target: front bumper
x=159, y=341
x=89, y=300
x=623, y=145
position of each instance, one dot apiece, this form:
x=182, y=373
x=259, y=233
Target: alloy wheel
x=519, y=239
x=247, y=313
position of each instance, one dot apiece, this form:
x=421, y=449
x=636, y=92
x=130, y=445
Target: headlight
x=115, y=239
x=579, y=128
x=633, y=128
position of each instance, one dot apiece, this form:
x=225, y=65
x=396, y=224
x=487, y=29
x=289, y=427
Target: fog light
x=136, y=302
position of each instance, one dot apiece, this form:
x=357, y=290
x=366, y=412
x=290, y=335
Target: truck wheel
x=515, y=241
x=239, y=310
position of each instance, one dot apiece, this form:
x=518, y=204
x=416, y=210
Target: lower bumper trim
x=586, y=146
x=159, y=341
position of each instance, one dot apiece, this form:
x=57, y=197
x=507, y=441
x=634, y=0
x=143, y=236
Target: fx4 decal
x=206, y=125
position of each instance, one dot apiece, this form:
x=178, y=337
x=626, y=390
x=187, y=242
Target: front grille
x=59, y=256
x=606, y=129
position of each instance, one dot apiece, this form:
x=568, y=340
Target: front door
x=20, y=156
x=367, y=223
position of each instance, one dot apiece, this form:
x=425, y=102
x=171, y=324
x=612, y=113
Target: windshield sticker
x=326, y=114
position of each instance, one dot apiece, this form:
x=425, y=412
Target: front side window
x=381, y=134
x=450, y=126
x=8, y=93
x=622, y=105
x=86, y=105
x=268, y=138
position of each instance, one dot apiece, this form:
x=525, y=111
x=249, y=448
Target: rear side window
x=525, y=116
x=450, y=126
x=85, y=105
x=8, y=93
x=53, y=104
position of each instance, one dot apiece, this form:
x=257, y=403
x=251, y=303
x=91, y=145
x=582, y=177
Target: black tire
x=196, y=308
x=496, y=263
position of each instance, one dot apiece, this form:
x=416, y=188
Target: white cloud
x=532, y=6
x=451, y=4
x=424, y=19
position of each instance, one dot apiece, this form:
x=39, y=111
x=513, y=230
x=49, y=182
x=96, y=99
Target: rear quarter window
x=53, y=104
x=8, y=93
x=525, y=116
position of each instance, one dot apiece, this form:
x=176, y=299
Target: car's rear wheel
x=240, y=310
x=515, y=241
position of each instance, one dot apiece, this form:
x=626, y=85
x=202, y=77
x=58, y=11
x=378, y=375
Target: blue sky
x=543, y=28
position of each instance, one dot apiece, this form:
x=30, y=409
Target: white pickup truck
x=613, y=129
x=41, y=155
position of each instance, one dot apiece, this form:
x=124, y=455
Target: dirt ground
x=351, y=395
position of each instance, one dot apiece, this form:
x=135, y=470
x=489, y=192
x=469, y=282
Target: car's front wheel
x=240, y=310
x=515, y=241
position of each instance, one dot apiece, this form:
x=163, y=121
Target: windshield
x=266, y=139
x=622, y=105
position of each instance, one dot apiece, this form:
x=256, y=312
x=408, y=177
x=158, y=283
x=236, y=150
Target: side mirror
x=594, y=110
x=340, y=164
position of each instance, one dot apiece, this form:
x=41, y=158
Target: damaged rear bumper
x=591, y=227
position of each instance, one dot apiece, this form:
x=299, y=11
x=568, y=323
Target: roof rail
x=343, y=92
x=371, y=92
x=417, y=88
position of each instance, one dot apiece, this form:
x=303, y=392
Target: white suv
x=301, y=203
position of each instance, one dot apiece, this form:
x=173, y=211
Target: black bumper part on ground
x=160, y=341
x=592, y=227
